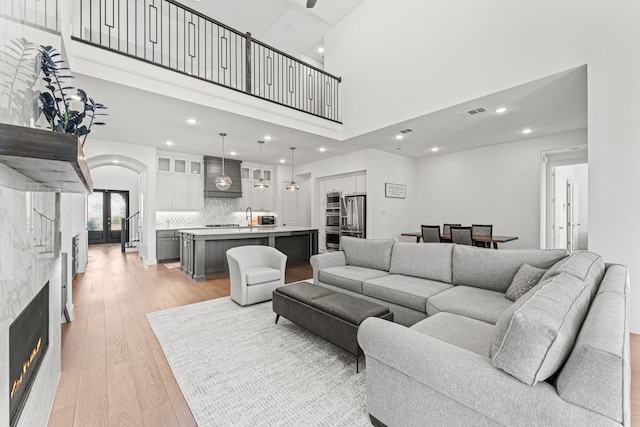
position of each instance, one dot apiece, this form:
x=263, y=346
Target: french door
x=106, y=210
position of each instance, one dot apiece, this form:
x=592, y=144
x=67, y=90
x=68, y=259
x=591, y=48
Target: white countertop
x=200, y=227
x=244, y=230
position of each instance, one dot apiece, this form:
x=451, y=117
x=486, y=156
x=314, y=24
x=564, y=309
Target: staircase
x=130, y=233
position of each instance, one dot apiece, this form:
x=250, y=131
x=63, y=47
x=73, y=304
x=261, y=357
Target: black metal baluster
x=254, y=67
x=100, y=22
x=119, y=23
x=90, y=21
x=248, y=62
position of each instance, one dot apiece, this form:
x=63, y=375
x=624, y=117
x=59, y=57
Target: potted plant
x=58, y=106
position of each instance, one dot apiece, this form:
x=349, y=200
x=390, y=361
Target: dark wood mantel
x=54, y=160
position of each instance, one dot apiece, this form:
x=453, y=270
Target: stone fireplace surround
x=29, y=257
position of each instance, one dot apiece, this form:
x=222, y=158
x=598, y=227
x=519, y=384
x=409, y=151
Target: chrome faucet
x=249, y=216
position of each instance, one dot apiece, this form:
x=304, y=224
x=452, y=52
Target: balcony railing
x=41, y=14
x=170, y=35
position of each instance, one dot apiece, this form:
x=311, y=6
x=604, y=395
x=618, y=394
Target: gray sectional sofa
x=461, y=353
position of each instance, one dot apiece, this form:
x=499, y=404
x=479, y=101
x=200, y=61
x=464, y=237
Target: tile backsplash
x=216, y=211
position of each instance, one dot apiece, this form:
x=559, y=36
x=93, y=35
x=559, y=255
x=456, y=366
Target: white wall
x=437, y=54
x=386, y=217
x=139, y=155
x=497, y=185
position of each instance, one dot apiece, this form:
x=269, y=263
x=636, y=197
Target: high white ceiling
x=284, y=24
x=549, y=105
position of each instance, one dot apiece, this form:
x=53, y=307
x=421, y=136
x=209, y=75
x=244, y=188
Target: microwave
x=267, y=220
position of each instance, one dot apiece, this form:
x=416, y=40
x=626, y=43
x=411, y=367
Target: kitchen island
x=203, y=251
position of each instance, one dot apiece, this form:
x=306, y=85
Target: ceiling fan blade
x=311, y=3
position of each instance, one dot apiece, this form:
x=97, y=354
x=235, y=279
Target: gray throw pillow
x=526, y=278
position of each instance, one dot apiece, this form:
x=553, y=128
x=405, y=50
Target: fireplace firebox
x=28, y=343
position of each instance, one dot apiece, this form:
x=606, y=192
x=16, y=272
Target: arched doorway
x=117, y=199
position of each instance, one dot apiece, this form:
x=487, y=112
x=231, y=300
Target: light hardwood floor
x=113, y=370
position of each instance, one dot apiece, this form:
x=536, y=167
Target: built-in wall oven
x=333, y=238
x=333, y=200
x=332, y=220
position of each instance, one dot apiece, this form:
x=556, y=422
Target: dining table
x=494, y=240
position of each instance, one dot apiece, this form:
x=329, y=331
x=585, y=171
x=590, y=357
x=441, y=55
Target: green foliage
x=57, y=105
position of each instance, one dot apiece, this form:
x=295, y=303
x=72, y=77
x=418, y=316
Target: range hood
x=213, y=168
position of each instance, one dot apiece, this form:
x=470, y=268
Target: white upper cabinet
x=180, y=193
x=195, y=193
x=179, y=184
x=164, y=193
x=179, y=166
x=361, y=183
x=195, y=168
x=164, y=164
x=334, y=185
x=346, y=185
x=258, y=200
x=349, y=185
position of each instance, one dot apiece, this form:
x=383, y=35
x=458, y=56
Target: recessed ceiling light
x=434, y=149
x=320, y=49
x=115, y=161
x=267, y=138
x=322, y=149
x=399, y=137
x=500, y=110
x=526, y=130
x=169, y=142
x=233, y=153
x=282, y=160
x=192, y=121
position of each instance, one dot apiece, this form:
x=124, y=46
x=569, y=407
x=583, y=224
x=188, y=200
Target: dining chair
x=431, y=234
x=484, y=231
x=446, y=229
x=461, y=235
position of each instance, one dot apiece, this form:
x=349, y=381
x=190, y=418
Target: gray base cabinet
x=167, y=245
x=186, y=254
x=206, y=254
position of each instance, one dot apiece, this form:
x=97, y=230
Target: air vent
x=408, y=130
x=476, y=111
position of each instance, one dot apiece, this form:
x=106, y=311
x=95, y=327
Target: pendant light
x=223, y=182
x=292, y=186
x=261, y=184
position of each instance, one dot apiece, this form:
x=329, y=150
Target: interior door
x=573, y=216
x=106, y=211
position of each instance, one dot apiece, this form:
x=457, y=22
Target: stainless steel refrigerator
x=353, y=216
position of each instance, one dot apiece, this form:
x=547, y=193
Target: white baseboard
x=634, y=326
x=150, y=261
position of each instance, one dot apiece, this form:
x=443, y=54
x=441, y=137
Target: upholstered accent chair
x=254, y=272
x=431, y=234
x=461, y=235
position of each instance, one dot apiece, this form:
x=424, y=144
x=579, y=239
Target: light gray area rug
x=236, y=367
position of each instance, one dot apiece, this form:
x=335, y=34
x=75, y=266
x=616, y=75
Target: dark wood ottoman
x=331, y=315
